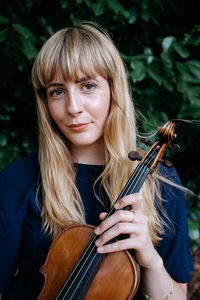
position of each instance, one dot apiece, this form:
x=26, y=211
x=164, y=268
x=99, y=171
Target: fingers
x=134, y=200
x=118, y=246
x=102, y=216
x=120, y=216
x=130, y=222
x=133, y=229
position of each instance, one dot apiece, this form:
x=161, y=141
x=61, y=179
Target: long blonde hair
x=86, y=48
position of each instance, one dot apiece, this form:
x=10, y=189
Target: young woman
x=87, y=128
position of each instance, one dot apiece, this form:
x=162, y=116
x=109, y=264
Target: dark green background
x=160, y=44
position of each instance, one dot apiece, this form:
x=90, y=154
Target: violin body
x=75, y=271
x=117, y=278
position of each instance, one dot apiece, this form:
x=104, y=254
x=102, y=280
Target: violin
x=74, y=270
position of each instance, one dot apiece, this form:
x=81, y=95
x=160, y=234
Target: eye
x=88, y=86
x=56, y=92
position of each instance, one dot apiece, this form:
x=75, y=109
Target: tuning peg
x=134, y=155
x=146, y=142
x=166, y=163
x=175, y=149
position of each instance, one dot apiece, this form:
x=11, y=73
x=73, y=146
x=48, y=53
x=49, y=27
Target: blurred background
x=159, y=42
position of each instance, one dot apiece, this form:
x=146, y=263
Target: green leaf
x=139, y=71
x=167, y=43
x=145, y=4
x=4, y=117
x=3, y=140
x=149, y=55
x=117, y=7
x=194, y=67
x=186, y=75
x=193, y=229
x=192, y=93
x=28, y=48
x=146, y=16
x=99, y=8
x=132, y=16
x=196, y=28
x=181, y=50
x=155, y=75
x=194, y=96
x=4, y=34
x=9, y=107
x=182, y=68
x=167, y=62
x=23, y=31
x=3, y=20
x=29, y=3
x=64, y=4
x=168, y=85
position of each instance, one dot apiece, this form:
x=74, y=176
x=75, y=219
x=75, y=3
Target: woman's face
x=80, y=108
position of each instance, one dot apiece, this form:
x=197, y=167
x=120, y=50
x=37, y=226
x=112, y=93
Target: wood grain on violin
x=116, y=271
x=74, y=270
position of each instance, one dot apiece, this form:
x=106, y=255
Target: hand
x=131, y=222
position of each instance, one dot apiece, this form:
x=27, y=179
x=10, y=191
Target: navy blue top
x=24, y=246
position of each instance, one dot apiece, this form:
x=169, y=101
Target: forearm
x=158, y=284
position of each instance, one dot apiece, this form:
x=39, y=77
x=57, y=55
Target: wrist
x=167, y=296
x=156, y=264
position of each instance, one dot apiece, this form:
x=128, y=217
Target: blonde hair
x=86, y=48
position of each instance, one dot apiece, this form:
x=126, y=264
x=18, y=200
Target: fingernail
x=97, y=243
x=100, y=250
x=116, y=205
x=97, y=230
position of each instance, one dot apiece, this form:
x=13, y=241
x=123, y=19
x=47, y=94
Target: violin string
x=92, y=241
x=76, y=267
x=141, y=172
x=95, y=254
x=84, y=254
x=147, y=162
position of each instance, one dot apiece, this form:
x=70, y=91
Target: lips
x=78, y=127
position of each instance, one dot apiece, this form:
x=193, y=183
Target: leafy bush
x=159, y=42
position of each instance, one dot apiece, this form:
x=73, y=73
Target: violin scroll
x=155, y=153
x=166, y=132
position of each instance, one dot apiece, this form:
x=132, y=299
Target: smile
x=78, y=127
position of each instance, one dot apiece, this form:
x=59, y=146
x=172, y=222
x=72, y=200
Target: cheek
x=103, y=107
x=55, y=111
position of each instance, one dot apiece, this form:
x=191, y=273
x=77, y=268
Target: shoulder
x=174, y=246
x=20, y=173
x=171, y=185
x=28, y=165
x=172, y=193
x=169, y=174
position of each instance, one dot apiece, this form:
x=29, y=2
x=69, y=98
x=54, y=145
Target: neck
x=91, y=154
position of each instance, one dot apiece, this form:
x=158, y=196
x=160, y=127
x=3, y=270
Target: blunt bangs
x=70, y=52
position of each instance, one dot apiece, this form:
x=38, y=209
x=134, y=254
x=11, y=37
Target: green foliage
x=159, y=42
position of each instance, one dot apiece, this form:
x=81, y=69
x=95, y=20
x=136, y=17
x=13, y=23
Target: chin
x=86, y=142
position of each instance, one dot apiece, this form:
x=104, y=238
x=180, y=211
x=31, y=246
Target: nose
x=74, y=103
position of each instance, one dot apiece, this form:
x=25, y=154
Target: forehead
x=70, y=56
x=80, y=77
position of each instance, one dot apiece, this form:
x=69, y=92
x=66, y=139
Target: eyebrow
x=54, y=84
x=83, y=79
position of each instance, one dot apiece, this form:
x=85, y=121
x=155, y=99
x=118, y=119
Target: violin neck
x=79, y=280
x=133, y=185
